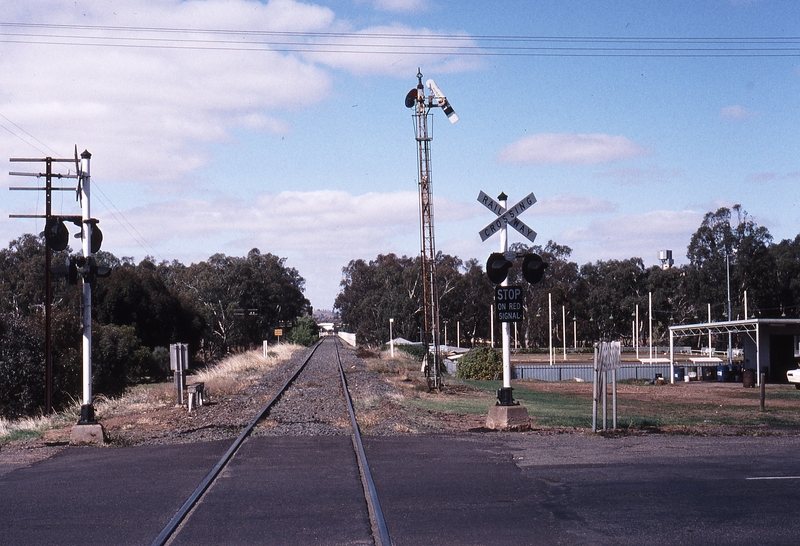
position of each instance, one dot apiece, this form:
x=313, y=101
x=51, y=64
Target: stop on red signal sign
x=508, y=304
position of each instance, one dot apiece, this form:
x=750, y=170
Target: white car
x=794, y=377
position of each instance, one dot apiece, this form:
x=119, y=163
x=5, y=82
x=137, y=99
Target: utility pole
x=422, y=105
x=48, y=298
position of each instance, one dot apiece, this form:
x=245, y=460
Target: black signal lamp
x=533, y=268
x=497, y=267
x=56, y=234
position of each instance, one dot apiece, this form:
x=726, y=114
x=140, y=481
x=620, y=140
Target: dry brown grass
x=31, y=425
x=232, y=375
x=237, y=372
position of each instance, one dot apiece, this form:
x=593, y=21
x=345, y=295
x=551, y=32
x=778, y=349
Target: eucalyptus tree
x=786, y=258
x=610, y=290
x=721, y=249
x=137, y=296
x=557, y=286
x=22, y=275
x=223, y=285
x=374, y=292
x=467, y=306
x=21, y=370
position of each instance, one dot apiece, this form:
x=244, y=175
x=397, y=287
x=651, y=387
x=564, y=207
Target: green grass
x=468, y=406
x=574, y=410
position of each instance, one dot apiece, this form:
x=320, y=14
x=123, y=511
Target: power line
x=396, y=43
x=105, y=201
x=461, y=36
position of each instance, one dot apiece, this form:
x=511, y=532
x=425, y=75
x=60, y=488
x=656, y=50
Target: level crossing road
x=470, y=489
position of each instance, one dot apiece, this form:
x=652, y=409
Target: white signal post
x=506, y=414
x=87, y=409
x=505, y=326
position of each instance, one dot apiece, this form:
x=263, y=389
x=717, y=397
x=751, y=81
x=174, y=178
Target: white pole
x=564, y=329
x=458, y=334
x=491, y=324
x=550, y=321
x=505, y=325
x=637, y=331
x=595, y=387
x=671, y=357
x=516, y=338
x=87, y=411
x=574, y=332
x=746, y=316
x=391, y=337
x=650, y=298
x=710, y=351
x=614, y=397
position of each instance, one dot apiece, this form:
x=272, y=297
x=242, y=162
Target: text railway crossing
x=509, y=217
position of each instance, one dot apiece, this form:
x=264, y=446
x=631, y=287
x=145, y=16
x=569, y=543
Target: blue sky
x=647, y=116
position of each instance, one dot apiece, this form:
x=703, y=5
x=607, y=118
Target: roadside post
x=179, y=363
x=391, y=337
x=607, y=358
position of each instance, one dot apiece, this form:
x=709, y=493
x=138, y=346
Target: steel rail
x=372, y=492
x=167, y=532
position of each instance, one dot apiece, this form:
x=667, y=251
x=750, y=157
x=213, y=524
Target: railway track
x=315, y=401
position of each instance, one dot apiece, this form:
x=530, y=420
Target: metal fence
x=569, y=372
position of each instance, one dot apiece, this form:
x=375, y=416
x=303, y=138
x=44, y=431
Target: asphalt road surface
x=487, y=488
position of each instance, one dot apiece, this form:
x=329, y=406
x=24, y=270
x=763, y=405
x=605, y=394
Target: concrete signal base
x=89, y=434
x=514, y=418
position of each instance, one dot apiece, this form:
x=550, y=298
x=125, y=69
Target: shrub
x=415, y=351
x=118, y=359
x=305, y=332
x=21, y=368
x=482, y=363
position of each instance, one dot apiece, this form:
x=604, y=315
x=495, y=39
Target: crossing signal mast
x=56, y=237
x=422, y=105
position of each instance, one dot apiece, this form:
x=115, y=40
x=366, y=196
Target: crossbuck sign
x=510, y=216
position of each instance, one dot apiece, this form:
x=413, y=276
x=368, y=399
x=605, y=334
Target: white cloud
x=286, y=218
x=573, y=205
x=400, y=6
x=640, y=176
x=318, y=231
x=395, y=50
x=736, y=113
x=581, y=149
x=151, y=103
x=151, y=112
x=634, y=235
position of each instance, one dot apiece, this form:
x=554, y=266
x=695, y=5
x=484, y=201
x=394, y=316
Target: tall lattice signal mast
x=422, y=105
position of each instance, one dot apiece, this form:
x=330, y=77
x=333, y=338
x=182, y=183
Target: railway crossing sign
x=510, y=216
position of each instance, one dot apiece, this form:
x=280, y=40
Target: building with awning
x=771, y=346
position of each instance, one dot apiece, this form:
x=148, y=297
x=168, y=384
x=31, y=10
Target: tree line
x=597, y=300
x=142, y=308
x=137, y=313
